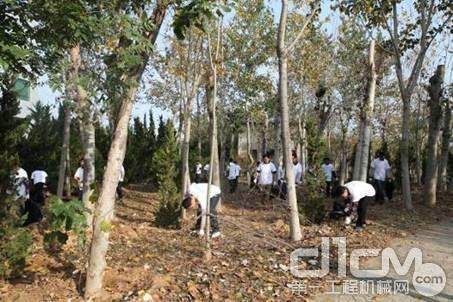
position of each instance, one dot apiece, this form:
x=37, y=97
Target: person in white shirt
x=197, y=196
x=119, y=188
x=266, y=172
x=297, y=171
x=20, y=183
x=206, y=171
x=198, y=172
x=380, y=169
x=39, y=180
x=234, y=170
x=328, y=171
x=78, y=176
x=357, y=194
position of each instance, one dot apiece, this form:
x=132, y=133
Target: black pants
x=33, y=211
x=379, y=185
x=37, y=196
x=233, y=185
x=213, y=217
x=197, y=178
x=328, y=188
x=119, y=190
x=80, y=193
x=361, y=211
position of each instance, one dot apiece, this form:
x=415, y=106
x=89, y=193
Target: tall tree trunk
x=435, y=119
x=64, y=156
x=303, y=142
x=265, y=131
x=278, y=139
x=87, y=132
x=249, y=152
x=106, y=201
x=404, y=153
x=358, y=152
x=445, y=149
x=418, y=146
x=366, y=115
x=282, y=54
x=199, y=128
x=343, y=157
x=185, y=170
x=213, y=133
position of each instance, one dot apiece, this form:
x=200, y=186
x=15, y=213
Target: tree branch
x=302, y=30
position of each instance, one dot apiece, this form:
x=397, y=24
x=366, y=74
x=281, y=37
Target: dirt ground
x=250, y=263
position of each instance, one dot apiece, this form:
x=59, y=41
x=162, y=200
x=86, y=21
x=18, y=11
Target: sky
x=45, y=94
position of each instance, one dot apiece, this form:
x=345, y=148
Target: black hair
x=187, y=202
x=326, y=159
x=340, y=190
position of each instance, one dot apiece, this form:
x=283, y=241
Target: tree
x=421, y=31
x=435, y=122
x=125, y=66
x=445, y=147
x=282, y=53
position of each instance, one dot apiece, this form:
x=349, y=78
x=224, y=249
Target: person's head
x=81, y=161
x=326, y=160
x=294, y=158
x=266, y=158
x=381, y=155
x=342, y=192
x=15, y=164
x=189, y=202
x=231, y=160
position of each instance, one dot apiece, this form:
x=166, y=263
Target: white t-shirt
x=380, y=168
x=233, y=171
x=20, y=182
x=122, y=173
x=327, y=169
x=297, y=170
x=266, y=171
x=79, y=177
x=198, y=168
x=200, y=192
x=39, y=176
x=359, y=189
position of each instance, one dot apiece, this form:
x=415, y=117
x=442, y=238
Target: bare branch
x=302, y=30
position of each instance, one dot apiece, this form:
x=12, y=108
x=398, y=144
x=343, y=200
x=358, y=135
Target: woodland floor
x=250, y=263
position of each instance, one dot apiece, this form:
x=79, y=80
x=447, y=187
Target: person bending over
x=196, y=197
x=357, y=194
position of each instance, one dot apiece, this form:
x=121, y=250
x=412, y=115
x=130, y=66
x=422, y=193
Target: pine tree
x=165, y=164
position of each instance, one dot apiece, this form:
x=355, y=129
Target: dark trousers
x=233, y=185
x=80, y=194
x=119, y=190
x=361, y=211
x=328, y=188
x=213, y=214
x=197, y=178
x=379, y=186
x=37, y=196
x=33, y=211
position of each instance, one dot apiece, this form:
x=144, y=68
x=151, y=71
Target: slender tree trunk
x=366, y=115
x=87, y=132
x=343, y=157
x=199, y=128
x=418, y=147
x=282, y=54
x=249, y=153
x=435, y=119
x=358, y=152
x=187, y=121
x=213, y=130
x=445, y=149
x=278, y=139
x=303, y=142
x=404, y=150
x=64, y=156
x=106, y=201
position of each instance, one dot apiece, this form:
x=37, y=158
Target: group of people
x=351, y=200
x=29, y=193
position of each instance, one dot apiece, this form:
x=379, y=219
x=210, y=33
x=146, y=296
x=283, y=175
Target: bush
x=15, y=244
x=165, y=162
x=64, y=218
x=313, y=203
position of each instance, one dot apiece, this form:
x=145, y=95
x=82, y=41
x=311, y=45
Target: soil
x=249, y=263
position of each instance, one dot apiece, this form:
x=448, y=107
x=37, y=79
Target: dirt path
x=436, y=243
